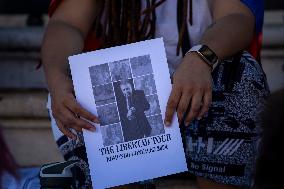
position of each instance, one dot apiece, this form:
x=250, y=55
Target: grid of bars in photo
x=139, y=71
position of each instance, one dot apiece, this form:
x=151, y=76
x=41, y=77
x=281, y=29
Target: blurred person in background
x=7, y=163
x=270, y=161
x=236, y=89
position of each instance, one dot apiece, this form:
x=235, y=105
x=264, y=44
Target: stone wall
x=23, y=96
x=273, y=49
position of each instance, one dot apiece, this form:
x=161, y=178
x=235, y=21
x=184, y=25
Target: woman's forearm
x=232, y=30
x=64, y=36
x=61, y=40
x=229, y=34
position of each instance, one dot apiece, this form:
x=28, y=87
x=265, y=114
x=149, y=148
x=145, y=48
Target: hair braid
x=125, y=22
x=181, y=32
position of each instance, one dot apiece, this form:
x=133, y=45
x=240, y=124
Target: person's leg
x=203, y=183
x=222, y=146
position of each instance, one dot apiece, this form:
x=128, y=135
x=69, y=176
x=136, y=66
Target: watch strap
x=206, y=54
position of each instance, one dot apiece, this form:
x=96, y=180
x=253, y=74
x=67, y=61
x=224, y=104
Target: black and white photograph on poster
x=112, y=134
x=154, y=105
x=146, y=83
x=100, y=74
x=157, y=125
x=141, y=65
x=127, y=88
x=132, y=105
x=120, y=70
x=108, y=114
x=103, y=94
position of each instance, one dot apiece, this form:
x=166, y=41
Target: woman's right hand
x=67, y=112
x=65, y=35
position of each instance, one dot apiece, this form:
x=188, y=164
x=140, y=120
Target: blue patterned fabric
x=223, y=145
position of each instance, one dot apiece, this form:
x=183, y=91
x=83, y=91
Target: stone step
x=273, y=36
x=18, y=70
x=274, y=69
x=25, y=124
x=32, y=147
x=273, y=29
x=21, y=38
x=18, y=55
x=272, y=53
x=19, y=104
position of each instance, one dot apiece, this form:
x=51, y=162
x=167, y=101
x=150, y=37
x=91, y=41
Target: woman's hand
x=191, y=90
x=67, y=112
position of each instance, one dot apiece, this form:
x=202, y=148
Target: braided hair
x=126, y=23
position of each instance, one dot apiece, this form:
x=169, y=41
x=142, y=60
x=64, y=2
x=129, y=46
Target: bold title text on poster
x=136, y=147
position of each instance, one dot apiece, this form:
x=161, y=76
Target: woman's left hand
x=192, y=88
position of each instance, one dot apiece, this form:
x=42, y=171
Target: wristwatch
x=205, y=53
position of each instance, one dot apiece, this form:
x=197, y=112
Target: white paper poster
x=127, y=87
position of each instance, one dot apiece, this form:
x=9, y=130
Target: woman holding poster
x=217, y=89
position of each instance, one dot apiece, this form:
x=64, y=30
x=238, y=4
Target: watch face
x=208, y=54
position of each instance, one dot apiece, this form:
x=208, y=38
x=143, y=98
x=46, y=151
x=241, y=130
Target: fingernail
x=186, y=123
x=73, y=137
x=167, y=123
x=96, y=121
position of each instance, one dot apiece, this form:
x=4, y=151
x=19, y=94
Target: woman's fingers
x=183, y=105
x=207, y=99
x=193, y=80
x=65, y=130
x=194, y=108
x=71, y=103
x=172, y=105
x=68, y=113
x=77, y=109
x=69, y=119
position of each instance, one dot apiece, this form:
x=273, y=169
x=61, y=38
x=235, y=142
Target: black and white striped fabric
x=72, y=150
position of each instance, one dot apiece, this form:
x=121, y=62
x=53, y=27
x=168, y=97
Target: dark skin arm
x=64, y=36
x=231, y=32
